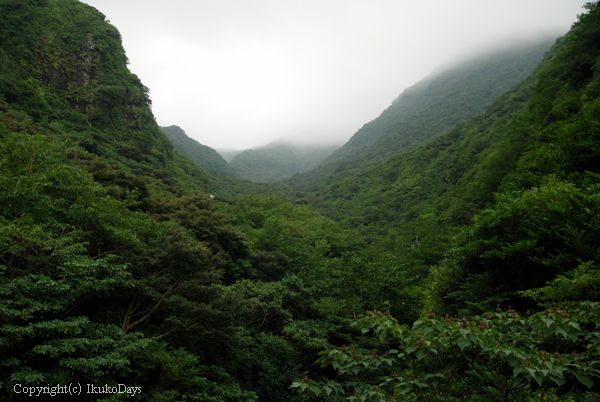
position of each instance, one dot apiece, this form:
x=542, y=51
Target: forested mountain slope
x=427, y=110
x=117, y=267
x=205, y=157
x=277, y=161
x=75, y=81
x=421, y=198
x=513, y=300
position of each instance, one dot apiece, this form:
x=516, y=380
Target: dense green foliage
x=546, y=214
x=96, y=293
x=205, y=157
x=526, y=239
x=496, y=357
x=427, y=110
x=81, y=273
x=117, y=266
x=518, y=189
x=71, y=74
x=416, y=202
x=278, y=161
x=116, y=269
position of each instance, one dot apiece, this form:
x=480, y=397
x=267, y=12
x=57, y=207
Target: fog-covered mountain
x=278, y=160
x=428, y=109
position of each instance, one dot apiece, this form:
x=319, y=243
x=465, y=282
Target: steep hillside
x=417, y=200
x=70, y=76
x=277, y=161
x=116, y=264
x=537, y=140
x=514, y=196
x=427, y=110
x=205, y=157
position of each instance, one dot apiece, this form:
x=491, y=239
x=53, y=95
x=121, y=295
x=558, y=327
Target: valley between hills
x=449, y=251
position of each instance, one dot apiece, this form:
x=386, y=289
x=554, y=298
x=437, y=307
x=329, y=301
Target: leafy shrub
x=499, y=356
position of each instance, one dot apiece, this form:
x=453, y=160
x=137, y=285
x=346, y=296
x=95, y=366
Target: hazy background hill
x=205, y=157
x=228, y=153
x=278, y=160
x=428, y=109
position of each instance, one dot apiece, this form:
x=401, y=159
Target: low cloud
x=237, y=74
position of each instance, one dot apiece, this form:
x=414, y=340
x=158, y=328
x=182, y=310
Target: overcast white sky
x=242, y=73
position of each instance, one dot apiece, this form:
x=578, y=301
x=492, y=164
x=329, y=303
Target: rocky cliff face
x=63, y=65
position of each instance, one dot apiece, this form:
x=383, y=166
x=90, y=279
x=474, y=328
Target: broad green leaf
x=561, y=331
x=463, y=343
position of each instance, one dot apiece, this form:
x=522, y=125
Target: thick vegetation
x=499, y=356
x=524, y=210
x=415, y=203
x=117, y=266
